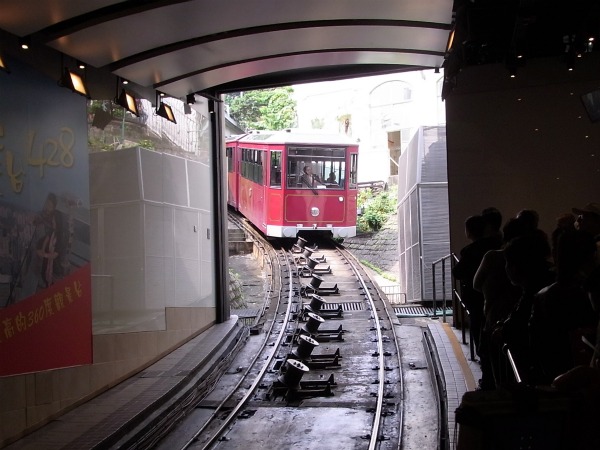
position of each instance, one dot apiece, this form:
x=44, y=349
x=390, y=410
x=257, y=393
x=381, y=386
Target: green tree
x=264, y=109
x=376, y=209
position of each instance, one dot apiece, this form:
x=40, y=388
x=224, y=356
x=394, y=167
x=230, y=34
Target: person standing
x=464, y=270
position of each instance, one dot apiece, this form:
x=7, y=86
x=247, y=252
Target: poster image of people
x=39, y=248
x=45, y=269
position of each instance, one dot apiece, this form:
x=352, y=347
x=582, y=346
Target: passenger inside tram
x=331, y=179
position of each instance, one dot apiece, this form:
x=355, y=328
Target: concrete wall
x=522, y=143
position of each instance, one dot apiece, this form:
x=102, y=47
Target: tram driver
x=309, y=178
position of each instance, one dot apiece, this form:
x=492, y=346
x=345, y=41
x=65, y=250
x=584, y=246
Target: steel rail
x=229, y=419
x=256, y=238
x=381, y=372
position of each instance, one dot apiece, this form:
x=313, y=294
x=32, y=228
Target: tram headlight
x=314, y=211
x=340, y=198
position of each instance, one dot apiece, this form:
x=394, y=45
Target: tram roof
x=182, y=47
x=295, y=136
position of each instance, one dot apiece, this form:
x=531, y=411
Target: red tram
x=290, y=183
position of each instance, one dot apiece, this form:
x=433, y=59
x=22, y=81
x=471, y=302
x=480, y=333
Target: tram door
x=274, y=204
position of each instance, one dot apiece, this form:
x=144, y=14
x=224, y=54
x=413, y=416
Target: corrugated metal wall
x=423, y=212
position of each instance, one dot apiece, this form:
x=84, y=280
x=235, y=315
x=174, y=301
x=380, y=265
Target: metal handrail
x=441, y=261
x=512, y=363
x=453, y=260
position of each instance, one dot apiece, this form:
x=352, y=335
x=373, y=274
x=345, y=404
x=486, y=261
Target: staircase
x=238, y=244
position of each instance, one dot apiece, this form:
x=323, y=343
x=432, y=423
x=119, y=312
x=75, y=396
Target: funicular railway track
x=321, y=368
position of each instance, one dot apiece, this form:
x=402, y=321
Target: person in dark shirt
x=465, y=269
x=493, y=222
x=562, y=312
x=528, y=267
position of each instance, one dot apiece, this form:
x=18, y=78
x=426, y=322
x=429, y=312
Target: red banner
x=50, y=329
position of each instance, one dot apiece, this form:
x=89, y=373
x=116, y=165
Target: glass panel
x=133, y=280
x=275, y=169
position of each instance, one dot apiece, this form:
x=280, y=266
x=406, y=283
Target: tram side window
x=353, y=168
x=229, y=154
x=244, y=163
x=275, y=169
x=252, y=165
x=258, y=167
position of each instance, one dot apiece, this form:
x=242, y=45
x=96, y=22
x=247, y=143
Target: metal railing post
x=434, y=289
x=444, y=290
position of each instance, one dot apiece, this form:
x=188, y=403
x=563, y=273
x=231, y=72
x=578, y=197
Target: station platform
x=461, y=374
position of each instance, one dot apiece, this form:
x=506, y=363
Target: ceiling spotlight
x=74, y=81
x=25, y=42
x=571, y=61
x=81, y=64
x=128, y=101
x=124, y=81
x=190, y=99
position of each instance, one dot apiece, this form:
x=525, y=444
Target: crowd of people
x=536, y=295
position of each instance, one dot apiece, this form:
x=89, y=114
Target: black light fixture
x=75, y=82
x=190, y=99
x=450, y=42
x=3, y=65
x=127, y=101
x=163, y=110
x=81, y=65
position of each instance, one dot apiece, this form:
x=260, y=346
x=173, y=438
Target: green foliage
x=374, y=268
x=96, y=144
x=364, y=195
x=376, y=209
x=106, y=105
x=147, y=143
x=265, y=109
x=236, y=294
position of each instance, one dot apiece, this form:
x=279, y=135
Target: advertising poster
x=45, y=280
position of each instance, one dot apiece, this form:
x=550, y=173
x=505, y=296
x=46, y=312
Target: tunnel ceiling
x=194, y=46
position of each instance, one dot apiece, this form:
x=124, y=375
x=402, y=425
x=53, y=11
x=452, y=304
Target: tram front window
x=316, y=168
